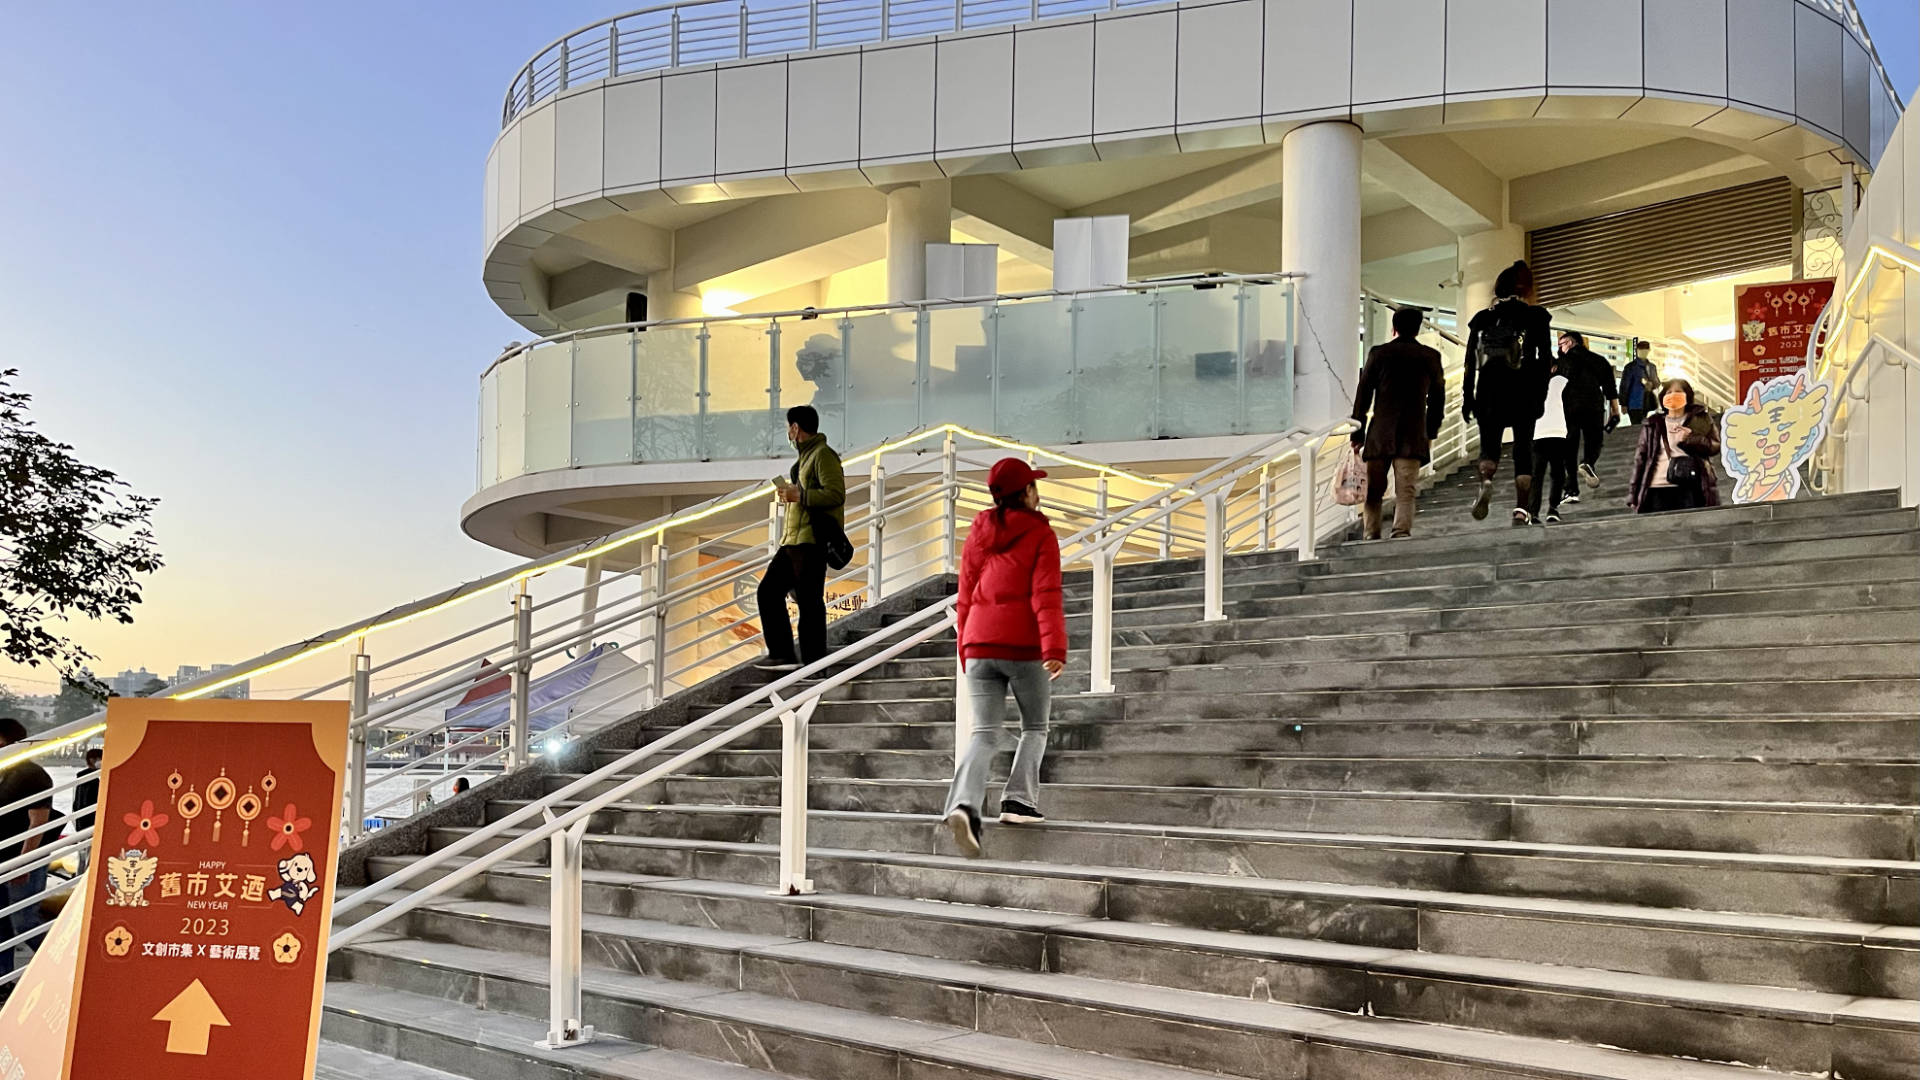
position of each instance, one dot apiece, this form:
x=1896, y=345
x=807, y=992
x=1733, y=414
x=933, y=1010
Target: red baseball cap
x=1010, y=475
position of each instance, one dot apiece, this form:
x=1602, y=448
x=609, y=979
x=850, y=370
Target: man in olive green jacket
x=800, y=566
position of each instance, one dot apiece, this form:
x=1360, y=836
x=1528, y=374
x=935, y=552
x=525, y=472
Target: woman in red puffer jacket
x=1012, y=631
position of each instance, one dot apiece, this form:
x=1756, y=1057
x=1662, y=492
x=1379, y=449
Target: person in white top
x=1552, y=448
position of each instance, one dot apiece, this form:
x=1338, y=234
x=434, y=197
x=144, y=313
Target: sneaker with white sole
x=1019, y=813
x=1570, y=500
x=1587, y=474
x=1521, y=517
x=782, y=666
x=965, y=828
x=1480, y=504
x=1552, y=518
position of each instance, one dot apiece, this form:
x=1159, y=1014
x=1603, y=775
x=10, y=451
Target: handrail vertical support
x=522, y=680
x=613, y=49
x=1266, y=508
x=657, y=631
x=564, y=998
x=793, y=800
x=1216, y=557
x=950, y=483
x=1101, y=645
x=589, y=604
x=566, y=62
x=1308, y=503
x=360, y=694
x=1166, y=528
x=876, y=532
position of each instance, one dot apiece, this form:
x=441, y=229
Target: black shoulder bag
x=827, y=532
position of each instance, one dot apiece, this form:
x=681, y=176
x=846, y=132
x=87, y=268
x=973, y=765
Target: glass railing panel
x=603, y=399
x=1267, y=344
x=550, y=407
x=960, y=348
x=882, y=373
x=740, y=421
x=1033, y=371
x=813, y=371
x=1199, y=361
x=490, y=429
x=666, y=379
x=1115, y=380
x=510, y=376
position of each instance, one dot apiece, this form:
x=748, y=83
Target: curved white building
x=718, y=159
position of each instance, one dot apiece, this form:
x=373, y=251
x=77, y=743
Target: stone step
x=1786, y=828
x=1780, y=1029
x=844, y=1000
x=1834, y=956
x=1816, y=887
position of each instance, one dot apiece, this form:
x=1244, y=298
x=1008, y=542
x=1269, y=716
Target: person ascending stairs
x=1506, y=383
x=1012, y=630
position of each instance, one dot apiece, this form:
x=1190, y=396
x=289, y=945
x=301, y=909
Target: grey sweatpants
x=987, y=684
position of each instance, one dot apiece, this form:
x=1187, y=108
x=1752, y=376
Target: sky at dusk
x=243, y=270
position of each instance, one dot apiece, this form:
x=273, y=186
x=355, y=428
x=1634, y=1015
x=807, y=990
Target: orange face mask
x=1675, y=401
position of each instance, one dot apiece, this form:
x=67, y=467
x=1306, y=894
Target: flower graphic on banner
x=119, y=941
x=286, y=948
x=145, y=825
x=287, y=829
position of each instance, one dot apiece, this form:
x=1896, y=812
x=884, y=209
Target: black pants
x=1584, y=440
x=1679, y=497
x=1636, y=415
x=1557, y=456
x=799, y=570
x=1492, y=425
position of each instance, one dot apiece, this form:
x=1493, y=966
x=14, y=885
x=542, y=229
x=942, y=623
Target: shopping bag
x=1349, y=483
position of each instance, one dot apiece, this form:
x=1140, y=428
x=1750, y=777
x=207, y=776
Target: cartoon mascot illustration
x=128, y=875
x=1768, y=436
x=297, y=883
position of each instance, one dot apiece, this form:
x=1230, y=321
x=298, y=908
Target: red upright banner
x=1774, y=324
x=203, y=948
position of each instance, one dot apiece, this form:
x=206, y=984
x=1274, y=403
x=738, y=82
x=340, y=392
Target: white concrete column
x=1320, y=237
x=665, y=302
x=917, y=215
x=1482, y=256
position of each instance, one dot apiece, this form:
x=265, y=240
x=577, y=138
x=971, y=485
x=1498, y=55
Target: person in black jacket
x=1508, y=361
x=1593, y=407
x=86, y=794
x=1402, y=383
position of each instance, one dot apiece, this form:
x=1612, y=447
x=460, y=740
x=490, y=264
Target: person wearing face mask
x=1505, y=384
x=1593, y=407
x=1673, y=466
x=816, y=485
x=1012, y=631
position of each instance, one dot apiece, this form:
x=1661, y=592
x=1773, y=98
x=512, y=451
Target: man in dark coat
x=1593, y=406
x=1404, y=387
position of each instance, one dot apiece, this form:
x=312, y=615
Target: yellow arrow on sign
x=192, y=1016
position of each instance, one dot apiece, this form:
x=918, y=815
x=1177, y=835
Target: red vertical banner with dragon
x=1773, y=326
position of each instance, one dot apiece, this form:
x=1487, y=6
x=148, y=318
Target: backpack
x=1502, y=344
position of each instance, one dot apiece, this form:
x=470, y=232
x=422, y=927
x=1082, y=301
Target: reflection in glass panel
x=881, y=371
x=740, y=422
x=1113, y=357
x=666, y=374
x=813, y=372
x=489, y=429
x=960, y=366
x=1033, y=368
x=1200, y=357
x=512, y=378
x=1269, y=353
x=550, y=407
x=603, y=399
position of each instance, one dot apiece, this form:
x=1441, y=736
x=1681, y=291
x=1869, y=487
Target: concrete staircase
x=1623, y=797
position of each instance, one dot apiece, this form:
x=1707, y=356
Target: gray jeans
x=987, y=684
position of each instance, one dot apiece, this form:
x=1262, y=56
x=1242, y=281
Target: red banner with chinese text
x=1773, y=324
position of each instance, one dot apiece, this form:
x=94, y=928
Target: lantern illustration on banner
x=267, y=784
x=246, y=810
x=174, y=780
x=189, y=807
x=220, y=794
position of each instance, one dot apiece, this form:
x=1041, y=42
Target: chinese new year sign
x=203, y=943
x=1773, y=324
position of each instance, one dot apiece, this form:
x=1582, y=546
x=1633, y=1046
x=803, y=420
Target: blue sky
x=243, y=270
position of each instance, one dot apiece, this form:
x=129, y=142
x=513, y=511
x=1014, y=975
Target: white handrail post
x=613, y=50
x=589, y=604
x=793, y=801
x=876, y=532
x=1308, y=504
x=1166, y=528
x=564, y=1027
x=566, y=61
x=1216, y=557
x=1266, y=509
x=522, y=679
x=1101, y=645
x=360, y=693
x=743, y=32
x=657, y=628
x=950, y=481
x=1100, y=500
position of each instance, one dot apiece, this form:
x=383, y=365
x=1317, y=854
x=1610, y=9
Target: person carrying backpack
x=818, y=486
x=1012, y=630
x=1508, y=358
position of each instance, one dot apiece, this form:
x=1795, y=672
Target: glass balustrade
x=1171, y=362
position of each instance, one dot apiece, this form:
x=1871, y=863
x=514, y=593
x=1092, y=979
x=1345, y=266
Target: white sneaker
x=1569, y=500
x=966, y=836
x=1587, y=474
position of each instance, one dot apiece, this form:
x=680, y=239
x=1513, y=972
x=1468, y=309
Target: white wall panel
x=973, y=93
x=1053, y=83
x=1309, y=55
x=1219, y=62
x=536, y=160
x=1133, y=72
x=1494, y=45
x=633, y=134
x=1398, y=50
x=896, y=102
x=1686, y=46
x=579, y=139
x=1760, y=53
x=490, y=199
x=686, y=125
x=1593, y=42
x=823, y=110
x=1856, y=113
x=750, y=119
x=508, y=150
x=1816, y=69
